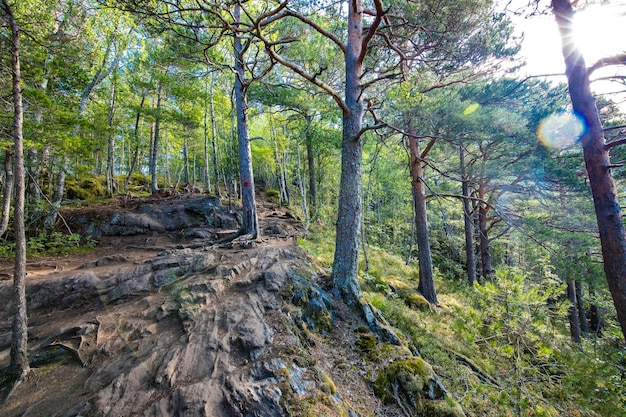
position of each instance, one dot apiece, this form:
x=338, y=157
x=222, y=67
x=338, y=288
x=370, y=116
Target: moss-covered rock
x=410, y=375
x=85, y=189
x=443, y=408
x=416, y=300
x=413, y=383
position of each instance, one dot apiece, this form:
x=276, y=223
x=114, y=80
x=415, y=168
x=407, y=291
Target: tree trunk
x=110, y=170
x=349, y=212
x=426, y=285
x=19, y=366
x=7, y=191
x=57, y=194
x=597, y=161
x=166, y=159
x=483, y=232
x=154, y=144
x=574, y=324
x=595, y=318
x=485, y=249
x=582, y=312
x=310, y=156
x=470, y=257
x=301, y=188
x=206, y=176
x=135, y=159
x=250, y=223
x=214, y=145
x=186, y=176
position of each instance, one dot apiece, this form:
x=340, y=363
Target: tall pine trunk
x=470, y=257
x=349, y=212
x=597, y=161
x=19, y=366
x=250, y=222
x=426, y=285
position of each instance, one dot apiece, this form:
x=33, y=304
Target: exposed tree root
x=378, y=325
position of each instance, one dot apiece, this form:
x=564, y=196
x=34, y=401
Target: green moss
x=416, y=300
x=443, y=408
x=411, y=375
x=366, y=342
x=85, y=189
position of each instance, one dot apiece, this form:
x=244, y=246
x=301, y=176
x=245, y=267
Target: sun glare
x=561, y=130
x=600, y=30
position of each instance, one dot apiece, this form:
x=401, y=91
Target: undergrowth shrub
x=55, y=243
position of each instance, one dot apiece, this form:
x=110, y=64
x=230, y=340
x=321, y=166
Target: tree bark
x=470, y=257
x=250, y=222
x=574, y=324
x=186, y=176
x=57, y=194
x=597, y=161
x=301, y=188
x=485, y=249
x=7, y=191
x=596, y=320
x=110, y=170
x=582, y=312
x=426, y=285
x=310, y=156
x=349, y=212
x=154, y=144
x=206, y=176
x=214, y=145
x=135, y=159
x=18, y=367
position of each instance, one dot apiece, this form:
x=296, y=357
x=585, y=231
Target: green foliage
x=55, y=243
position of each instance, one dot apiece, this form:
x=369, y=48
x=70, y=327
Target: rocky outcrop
x=190, y=216
x=206, y=331
x=187, y=332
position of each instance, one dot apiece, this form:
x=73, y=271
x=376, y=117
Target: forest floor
x=209, y=341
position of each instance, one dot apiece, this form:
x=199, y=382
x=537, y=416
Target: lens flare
x=561, y=130
x=471, y=109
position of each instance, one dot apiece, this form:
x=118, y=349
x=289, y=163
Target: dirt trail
x=165, y=324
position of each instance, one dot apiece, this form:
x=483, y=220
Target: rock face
x=192, y=331
x=187, y=332
x=200, y=215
